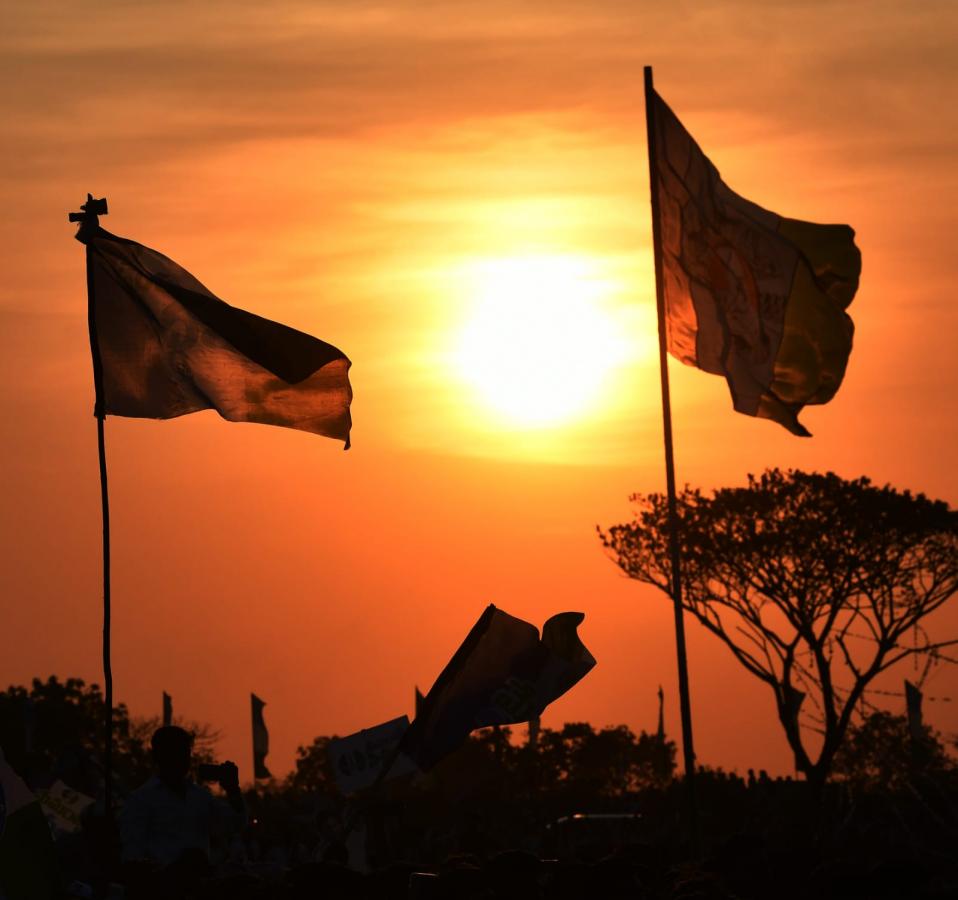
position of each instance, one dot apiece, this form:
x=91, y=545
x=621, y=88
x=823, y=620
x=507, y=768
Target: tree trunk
x=816, y=777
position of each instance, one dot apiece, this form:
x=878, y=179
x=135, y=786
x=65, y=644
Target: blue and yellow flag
x=749, y=294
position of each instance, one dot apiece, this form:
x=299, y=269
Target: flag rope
x=674, y=551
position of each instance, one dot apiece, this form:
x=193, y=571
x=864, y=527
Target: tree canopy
x=54, y=728
x=815, y=583
x=576, y=759
x=314, y=771
x=881, y=753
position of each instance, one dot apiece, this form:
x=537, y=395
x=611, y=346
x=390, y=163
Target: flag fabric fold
x=168, y=346
x=503, y=673
x=750, y=295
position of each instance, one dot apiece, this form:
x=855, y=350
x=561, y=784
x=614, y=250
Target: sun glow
x=540, y=339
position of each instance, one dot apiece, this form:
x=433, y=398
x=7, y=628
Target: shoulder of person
x=149, y=786
x=143, y=793
x=201, y=790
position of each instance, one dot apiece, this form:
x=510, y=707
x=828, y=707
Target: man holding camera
x=166, y=825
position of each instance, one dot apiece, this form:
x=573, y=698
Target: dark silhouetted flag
x=169, y=347
x=749, y=294
x=167, y=709
x=913, y=698
x=502, y=674
x=260, y=739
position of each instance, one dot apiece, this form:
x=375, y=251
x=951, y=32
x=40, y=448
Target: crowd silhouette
x=578, y=812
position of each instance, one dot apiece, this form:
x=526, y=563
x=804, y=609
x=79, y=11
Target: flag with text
x=749, y=295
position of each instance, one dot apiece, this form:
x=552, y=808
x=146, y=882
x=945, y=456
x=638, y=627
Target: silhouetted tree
x=881, y=753
x=816, y=584
x=54, y=729
x=605, y=763
x=314, y=772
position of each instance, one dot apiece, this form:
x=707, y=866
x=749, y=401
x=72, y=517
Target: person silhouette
x=167, y=824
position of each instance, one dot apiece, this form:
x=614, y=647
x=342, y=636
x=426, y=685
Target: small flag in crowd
x=167, y=709
x=260, y=739
x=63, y=806
x=167, y=347
x=503, y=673
x=750, y=295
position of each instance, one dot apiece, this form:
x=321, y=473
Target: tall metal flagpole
x=674, y=551
x=89, y=220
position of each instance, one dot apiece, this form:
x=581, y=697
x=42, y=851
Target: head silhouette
x=172, y=753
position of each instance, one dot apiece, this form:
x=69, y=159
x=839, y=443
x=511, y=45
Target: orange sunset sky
x=402, y=180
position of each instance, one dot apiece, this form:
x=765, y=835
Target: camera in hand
x=210, y=772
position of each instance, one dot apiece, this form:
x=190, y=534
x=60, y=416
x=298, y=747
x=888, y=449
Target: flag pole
x=685, y=705
x=89, y=221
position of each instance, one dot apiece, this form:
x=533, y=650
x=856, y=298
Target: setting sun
x=539, y=340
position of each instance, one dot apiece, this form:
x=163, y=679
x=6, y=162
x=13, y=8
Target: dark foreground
x=760, y=839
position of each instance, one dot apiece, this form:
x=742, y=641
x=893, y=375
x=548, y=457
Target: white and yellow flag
x=749, y=294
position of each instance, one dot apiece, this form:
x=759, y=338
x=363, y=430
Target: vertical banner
x=260, y=739
x=660, y=730
x=913, y=698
